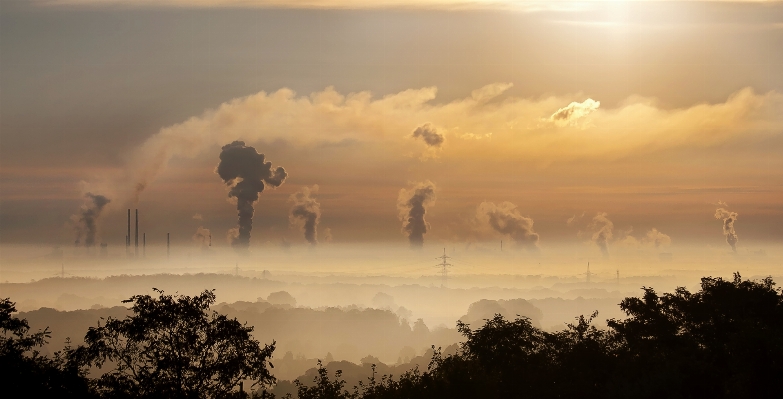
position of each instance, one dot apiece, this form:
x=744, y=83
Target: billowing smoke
x=86, y=221
x=307, y=212
x=412, y=205
x=429, y=133
x=602, y=232
x=244, y=170
x=506, y=219
x=728, y=226
x=657, y=238
x=570, y=114
x=203, y=237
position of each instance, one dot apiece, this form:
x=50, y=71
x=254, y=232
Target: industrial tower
x=444, y=272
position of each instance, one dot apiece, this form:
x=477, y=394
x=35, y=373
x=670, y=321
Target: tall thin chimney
x=136, y=240
x=168, y=245
x=127, y=237
x=144, y=245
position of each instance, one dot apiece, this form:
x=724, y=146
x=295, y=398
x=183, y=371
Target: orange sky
x=648, y=112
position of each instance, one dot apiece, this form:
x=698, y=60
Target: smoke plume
x=657, y=238
x=86, y=221
x=429, y=133
x=728, y=226
x=307, y=212
x=203, y=236
x=412, y=206
x=602, y=232
x=506, y=219
x=244, y=170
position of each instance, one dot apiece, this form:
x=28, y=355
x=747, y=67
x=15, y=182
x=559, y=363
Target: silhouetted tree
x=725, y=341
x=174, y=347
x=25, y=371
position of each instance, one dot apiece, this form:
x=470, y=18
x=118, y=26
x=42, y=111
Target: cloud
x=412, y=203
x=728, y=219
x=634, y=128
x=505, y=219
x=306, y=211
x=571, y=114
x=430, y=134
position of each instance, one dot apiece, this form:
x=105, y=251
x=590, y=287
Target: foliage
x=174, y=347
x=725, y=341
x=24, y=369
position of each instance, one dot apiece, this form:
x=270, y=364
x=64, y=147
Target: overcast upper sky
x=649, y=112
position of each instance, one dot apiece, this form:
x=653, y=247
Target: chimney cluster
x=135, y=239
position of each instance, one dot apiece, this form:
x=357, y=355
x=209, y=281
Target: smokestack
x=506, y=219
x=127, y=239
x=412, y=207
x=168, y=245
x=306, y=211
x=144, y=245
x=136, y=239
x=247, y=173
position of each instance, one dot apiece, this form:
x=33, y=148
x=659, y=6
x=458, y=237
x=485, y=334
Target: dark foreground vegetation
x=724, y=341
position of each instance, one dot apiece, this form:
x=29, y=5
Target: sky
x=609, y=124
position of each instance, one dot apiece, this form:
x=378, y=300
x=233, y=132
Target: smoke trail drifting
x=602, y=227
x=202, y=236
x=86, y=221
x=244, y=170
x=728, y=226
x=307, y=211
x=506, y=219
x=411, y=204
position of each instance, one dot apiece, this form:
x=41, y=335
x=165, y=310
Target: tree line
x=723, y=341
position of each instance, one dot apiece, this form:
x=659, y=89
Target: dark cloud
x=505, y=219
x=244, y=170
x=307, y=211
x=86, y=221
x=728, y=226
x=411, y=204
x=429, y=133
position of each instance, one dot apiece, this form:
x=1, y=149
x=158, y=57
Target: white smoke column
x=728, y=226
x=305, y=210
x=602, y=232
x=412, y=205
x=86, y=222
x=506, y=219
x=657, y=238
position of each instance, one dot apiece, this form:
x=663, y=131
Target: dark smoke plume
x=86, y=221
x=244, y=170
x=411, y=204
x=307, y=211
x=728, y=226
x=602, y=228
x=506, y=219
x=429, y=133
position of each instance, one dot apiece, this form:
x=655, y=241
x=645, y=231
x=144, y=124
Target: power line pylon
x=444, y=271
